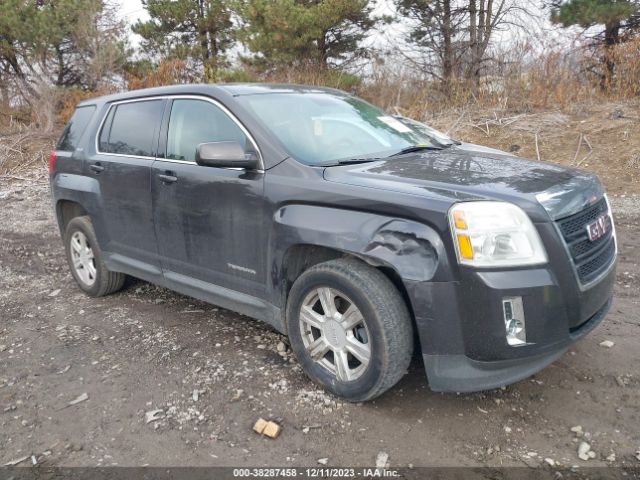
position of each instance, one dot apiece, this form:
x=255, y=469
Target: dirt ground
x=209, y=373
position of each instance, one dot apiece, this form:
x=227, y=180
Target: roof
x=221, y=89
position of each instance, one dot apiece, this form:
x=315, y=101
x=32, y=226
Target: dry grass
x=600, y=137
x=24, y=153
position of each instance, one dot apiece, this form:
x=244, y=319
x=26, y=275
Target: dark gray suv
x=352, y=231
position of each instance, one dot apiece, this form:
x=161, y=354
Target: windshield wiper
x=352, y=161
x=415, y=148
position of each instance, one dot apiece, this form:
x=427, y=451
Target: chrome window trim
x=173, y=97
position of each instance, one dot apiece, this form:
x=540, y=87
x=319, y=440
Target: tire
x=332, y=353
x=87, y=266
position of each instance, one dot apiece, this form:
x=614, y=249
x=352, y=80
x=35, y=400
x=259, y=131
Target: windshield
x=323, y=128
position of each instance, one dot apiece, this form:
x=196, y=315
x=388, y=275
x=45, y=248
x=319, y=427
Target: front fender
x=414, y=250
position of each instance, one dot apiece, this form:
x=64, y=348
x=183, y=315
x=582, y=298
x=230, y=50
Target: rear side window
x=75, y=128
x=129, y=128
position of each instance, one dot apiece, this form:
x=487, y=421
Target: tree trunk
x=473, y=41
x=611, y=38
x=205, y=51
x=322, y=50
x=447, y=59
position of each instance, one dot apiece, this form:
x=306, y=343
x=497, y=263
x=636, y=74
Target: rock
x=237, y=395
x=583, y=451
x=281, y=347
x=611, y=458
x=507, y=429
x=80, y=398
x=3, y=348
x=577, y=430
x=55, y=293
x=195, y=395
x=638, y=454
x=153, y=415
x=382, y=460
x=550, y=461
x=607, y=344
x=323, y=461
x=617, y=114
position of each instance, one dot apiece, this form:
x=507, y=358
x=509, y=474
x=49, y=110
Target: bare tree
x=451, y=39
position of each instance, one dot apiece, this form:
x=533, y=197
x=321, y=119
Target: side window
x=193, y=122
x=129, y=128
x=75, y=128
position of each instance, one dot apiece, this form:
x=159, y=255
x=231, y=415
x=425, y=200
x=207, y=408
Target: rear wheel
x=349, y=328
x=85, y=260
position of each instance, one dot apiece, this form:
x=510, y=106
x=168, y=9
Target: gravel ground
x=150, y=377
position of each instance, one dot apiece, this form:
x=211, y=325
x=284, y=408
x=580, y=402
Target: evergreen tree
x=201, y=31
x=312, y=32
x=615, y=15
x=66, y=43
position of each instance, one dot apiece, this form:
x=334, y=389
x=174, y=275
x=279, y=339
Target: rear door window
x=129, y=128
x=72, y=132
x=193, y=122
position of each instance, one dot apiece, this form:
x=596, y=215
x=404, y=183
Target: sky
x=132, y=10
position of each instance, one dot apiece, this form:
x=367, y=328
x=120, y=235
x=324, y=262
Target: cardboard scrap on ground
x=270, y=429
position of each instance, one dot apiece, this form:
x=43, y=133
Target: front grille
x=590, y=258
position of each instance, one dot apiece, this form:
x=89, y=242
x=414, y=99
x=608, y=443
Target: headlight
x=494, y=234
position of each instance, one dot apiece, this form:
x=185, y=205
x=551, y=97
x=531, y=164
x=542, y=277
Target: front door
x=208, y=220
x=127, y=143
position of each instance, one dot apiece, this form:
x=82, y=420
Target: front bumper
x=460, y=373
x=461, y=324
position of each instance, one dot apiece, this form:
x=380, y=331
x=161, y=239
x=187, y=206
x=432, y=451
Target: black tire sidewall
x=83, y=224
x=355, y=390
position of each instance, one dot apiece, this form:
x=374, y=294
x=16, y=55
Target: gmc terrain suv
x=352, y=231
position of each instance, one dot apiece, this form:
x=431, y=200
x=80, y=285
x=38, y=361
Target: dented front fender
x=414, y=250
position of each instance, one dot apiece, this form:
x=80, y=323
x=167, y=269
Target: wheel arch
x=300, y=257
x=405, y=251
x=67, y=210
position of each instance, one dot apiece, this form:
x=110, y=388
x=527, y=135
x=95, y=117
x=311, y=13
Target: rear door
x=126, y=147
x=208, y=220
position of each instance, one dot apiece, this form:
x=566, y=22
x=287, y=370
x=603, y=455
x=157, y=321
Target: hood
x=471, y=172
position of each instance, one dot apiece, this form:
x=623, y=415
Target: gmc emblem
x=599, y=227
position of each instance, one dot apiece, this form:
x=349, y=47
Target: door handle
x=167, y=177
x=96, y=167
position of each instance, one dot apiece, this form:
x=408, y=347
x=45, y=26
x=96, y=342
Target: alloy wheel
x=83, y=259
x=335, y=333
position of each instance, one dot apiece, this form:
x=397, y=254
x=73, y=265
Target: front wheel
x=349, y=328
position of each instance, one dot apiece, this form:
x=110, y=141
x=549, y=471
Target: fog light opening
x=514, y=323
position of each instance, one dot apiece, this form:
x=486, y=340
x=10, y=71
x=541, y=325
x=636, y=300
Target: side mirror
x=225, y=155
